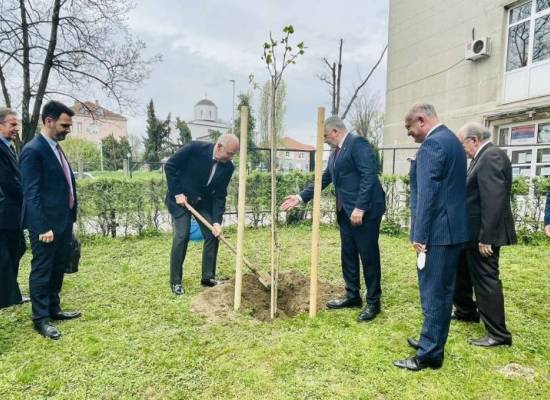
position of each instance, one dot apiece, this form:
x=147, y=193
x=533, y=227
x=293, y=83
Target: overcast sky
x=206, y=43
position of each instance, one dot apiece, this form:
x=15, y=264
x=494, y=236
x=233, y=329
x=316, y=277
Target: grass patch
x=136, y=340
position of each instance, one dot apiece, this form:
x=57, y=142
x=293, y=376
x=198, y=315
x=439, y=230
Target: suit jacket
x=11, y=195
x=439, y=191
x=354, y=173
x=489, y=187
x=547, y=211
x=45, y=189
x=187, y=172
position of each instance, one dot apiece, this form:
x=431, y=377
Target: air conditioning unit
x=478, y=48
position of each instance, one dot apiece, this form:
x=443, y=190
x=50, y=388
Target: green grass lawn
x=138, y=341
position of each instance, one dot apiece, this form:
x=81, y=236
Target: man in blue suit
x=547, y=215
x=12, y=242
x=360, y=204
x=438, y=229
x=49, y=211
x=199, y=174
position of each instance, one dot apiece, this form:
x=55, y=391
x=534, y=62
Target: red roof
x=291, y=144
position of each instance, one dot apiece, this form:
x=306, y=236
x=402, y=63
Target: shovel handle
x=197, y=215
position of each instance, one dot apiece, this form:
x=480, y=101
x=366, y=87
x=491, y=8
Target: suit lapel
x=48, y=152
x=474, y=162
x=341, y=155
x=10, y=156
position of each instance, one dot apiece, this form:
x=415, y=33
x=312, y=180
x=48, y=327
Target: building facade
x=94, y=122
x=474, y=60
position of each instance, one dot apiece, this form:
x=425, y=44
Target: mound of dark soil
x=293, y=297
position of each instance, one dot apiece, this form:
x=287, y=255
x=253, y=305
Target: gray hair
x=4, y=112
x=228, y=138
x=423, y=108
x=335, y=122
x=475, y=129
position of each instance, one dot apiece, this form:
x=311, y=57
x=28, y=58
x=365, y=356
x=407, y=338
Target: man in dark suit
x=438, y=229
x=491, y=225
x=49, y=211
x=12, y=242
x=199, y=174
x=547, y=215
x=360, y=204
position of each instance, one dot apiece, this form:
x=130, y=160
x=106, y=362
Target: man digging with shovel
x=198, y=174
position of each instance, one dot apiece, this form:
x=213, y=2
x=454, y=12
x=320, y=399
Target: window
x=503, y=134
x=524, y=134
x=287, y=154
x=544, y=132
x=301, y=155
x=528, y=22
x=527, y=60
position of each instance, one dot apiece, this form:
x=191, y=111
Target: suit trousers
x=483, y=275
x=465, y=305
x=180, y=240
x=48, y=264
x=12, y=247
x=360, y=242
x=436, y=283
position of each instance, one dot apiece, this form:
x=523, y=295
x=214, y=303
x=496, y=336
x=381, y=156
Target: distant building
x=485, y=61
x=94, y=122
x=206, y=120
x=294, y=155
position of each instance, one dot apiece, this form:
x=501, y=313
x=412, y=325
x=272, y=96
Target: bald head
x=226, y=147
x=419, y=120
x=473, y=135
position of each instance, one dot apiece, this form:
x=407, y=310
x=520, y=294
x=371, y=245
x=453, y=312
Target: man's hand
x=356, y=217
x=419, y=247
x=485, y=250
x=46, y=237
x=217, y=229
x=181, y=199
x=290, y=202
x=547, y=230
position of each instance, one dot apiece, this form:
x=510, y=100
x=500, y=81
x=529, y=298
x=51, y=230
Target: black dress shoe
x=488, y=341
x=48, y=330
x=414, y=364
x=211, y=282
x=466, y=318
x=65, y=315
x=177, y=290
x=369, y=312
x=413, y=343
x=344, y=302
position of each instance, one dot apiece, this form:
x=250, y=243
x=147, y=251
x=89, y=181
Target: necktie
x=12, y=149
x=67, y=174
x=212, y=171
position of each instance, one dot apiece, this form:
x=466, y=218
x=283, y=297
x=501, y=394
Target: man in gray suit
x=491, y=225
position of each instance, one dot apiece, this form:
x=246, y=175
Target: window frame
x=532, y=18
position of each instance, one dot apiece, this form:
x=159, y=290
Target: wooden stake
x=240, y=208
x=313, y=283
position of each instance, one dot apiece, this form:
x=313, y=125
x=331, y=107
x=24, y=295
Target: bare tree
x=334, y=81
x=67, y=48
x=367, y=118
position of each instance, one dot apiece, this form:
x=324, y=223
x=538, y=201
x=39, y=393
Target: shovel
x=263, y=277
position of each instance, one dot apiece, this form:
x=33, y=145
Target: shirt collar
x=434, y=128
x=480, y=147
x=341, y=143
x=7, y=142
x=51, y=142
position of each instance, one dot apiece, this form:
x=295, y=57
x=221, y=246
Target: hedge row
x=115, y=206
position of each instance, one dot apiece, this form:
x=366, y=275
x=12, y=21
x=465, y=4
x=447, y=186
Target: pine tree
x=158, y=134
